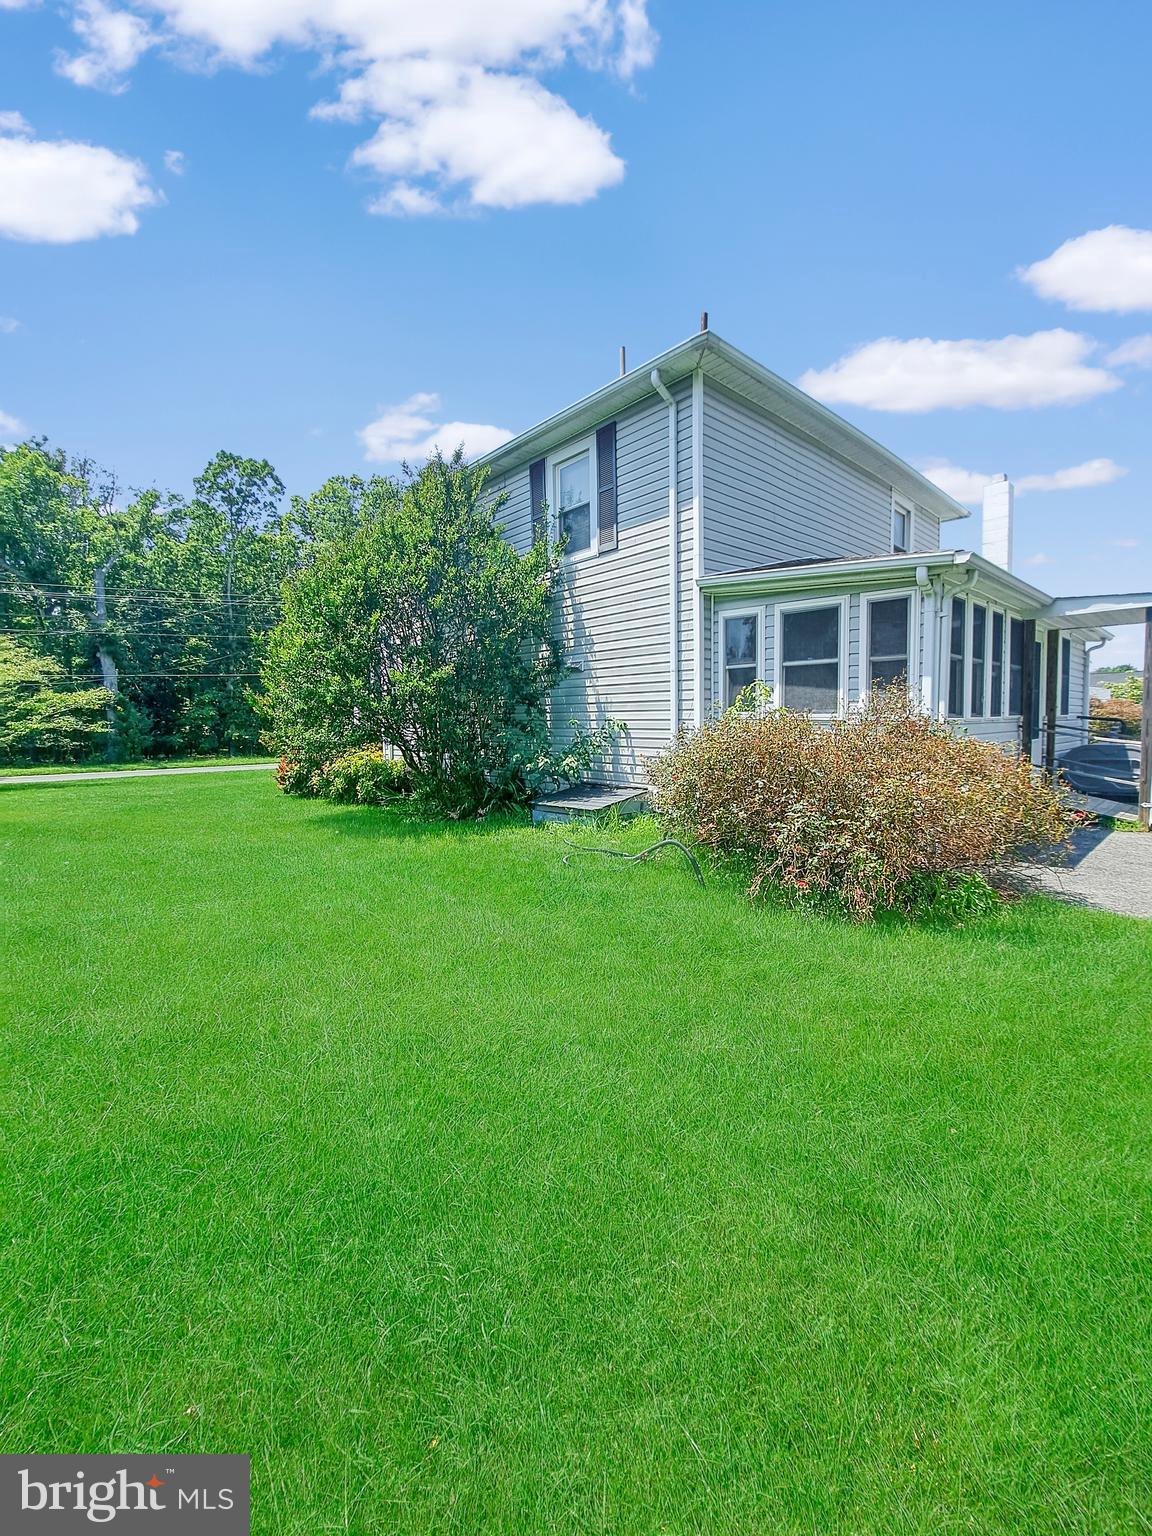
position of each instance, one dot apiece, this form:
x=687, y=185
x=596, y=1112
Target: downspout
x=1089, y=647
x=663, y=391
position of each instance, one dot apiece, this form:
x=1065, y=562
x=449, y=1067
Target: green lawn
x=148, y=762
x=469, y=1191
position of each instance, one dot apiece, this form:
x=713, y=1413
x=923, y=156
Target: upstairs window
x=957, y=652
x=888, y=632
x=901, y=528
x=575, y=523
x=810, y=657
x=741, y=654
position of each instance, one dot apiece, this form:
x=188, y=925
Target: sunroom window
x=1065, y=675
x=741, y=654
x=957, y=647
x=996, y=665
x=810, y=658
x=888, y=625
x=979, y=657
x=1015, y=666
x=574, y=502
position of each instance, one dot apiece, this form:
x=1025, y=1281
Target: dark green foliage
x=42, y=719
x=189, y=589
x=427, y=632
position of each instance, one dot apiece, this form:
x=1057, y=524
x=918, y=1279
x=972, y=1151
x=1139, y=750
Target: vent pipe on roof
x=703, y=319
x=996, y=533
x=623, y=362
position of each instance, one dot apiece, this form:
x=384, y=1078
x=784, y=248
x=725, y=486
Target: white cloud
x=9, y=426
x=1078, y=477
x=463, y=118
x=964, y=485
x=967, y=485
x=1136, y=353
x=1011, y=373
x=15, y=122
x=58, y=191
x=8, y=325
x=1106, y=269
x=113, y=41
x=1039, y=558
x=407, y=432
x=404, y=201
x=174, y=161
x=504, y=137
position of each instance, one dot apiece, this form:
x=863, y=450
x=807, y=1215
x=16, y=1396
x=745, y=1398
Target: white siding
x=613, y=609
x=772, y=495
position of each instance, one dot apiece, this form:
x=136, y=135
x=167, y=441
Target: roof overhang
x=969, y=570
x=1109, y=609
x=735, y=370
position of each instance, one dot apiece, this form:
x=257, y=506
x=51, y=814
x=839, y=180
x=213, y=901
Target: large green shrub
x=856, y=810
x=425, y=631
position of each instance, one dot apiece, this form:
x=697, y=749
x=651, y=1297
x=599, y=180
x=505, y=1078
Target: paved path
x=133, y=773
x=1108, y=870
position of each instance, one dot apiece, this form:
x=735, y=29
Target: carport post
x=1146, y=726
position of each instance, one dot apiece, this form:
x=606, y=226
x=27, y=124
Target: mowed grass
x=468, y=1190
x=29, y=770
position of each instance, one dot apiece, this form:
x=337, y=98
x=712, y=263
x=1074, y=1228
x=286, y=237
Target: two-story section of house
x=723, y=527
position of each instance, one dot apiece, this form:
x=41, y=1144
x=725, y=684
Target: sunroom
x=970, y=639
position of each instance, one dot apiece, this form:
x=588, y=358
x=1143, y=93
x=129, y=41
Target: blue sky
x=475, y=204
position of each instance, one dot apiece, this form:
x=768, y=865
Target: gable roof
x=735, y=370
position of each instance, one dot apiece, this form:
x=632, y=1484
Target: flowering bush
x=857, y=809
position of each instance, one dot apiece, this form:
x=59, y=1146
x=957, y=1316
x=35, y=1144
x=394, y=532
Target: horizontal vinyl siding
x=614, y=612
x=771, y=495
x=925, y=532
x=515, y=516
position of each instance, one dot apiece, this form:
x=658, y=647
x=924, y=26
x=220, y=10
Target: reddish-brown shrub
x=1126, y=711
x=857, y=808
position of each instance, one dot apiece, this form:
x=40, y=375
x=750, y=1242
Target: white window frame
x=803, y=605
x=738, y=611
x=915, y=679
x=899, y=504
x=554, y=463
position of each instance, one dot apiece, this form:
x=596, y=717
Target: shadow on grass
x=379, y=822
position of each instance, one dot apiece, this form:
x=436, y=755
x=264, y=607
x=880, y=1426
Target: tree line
x=135, y=624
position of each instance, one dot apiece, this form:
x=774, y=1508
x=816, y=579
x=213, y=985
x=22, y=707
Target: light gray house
x=723, y=526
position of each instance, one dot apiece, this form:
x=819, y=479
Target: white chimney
x=996, y=536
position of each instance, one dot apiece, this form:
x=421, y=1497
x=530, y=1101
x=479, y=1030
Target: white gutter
x=663, y=391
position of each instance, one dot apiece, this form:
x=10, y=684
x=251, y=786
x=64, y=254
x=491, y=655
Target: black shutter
x=606, y=486
x=536, y=495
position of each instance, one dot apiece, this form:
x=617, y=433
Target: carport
x=1102, y=611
